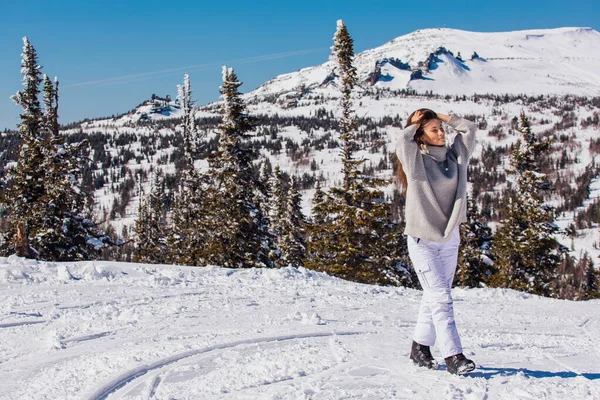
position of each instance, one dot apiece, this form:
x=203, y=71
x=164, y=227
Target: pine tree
x=318, y=206
x=278, y=204
x=356, y=230
x=527, y=252
x=263, y=199
x=50, y=212
x=143, y=235
x=23, y=197
x=474, y=263
x=150, y=226
x=50, y=119
x=188, y=124
x=66, y=230
x=319, y=231
x=239, y=236
x=343, y=54
x=292, y=242
x=591, y=276
x=188, y=235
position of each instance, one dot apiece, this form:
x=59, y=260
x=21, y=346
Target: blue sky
x=112, y=55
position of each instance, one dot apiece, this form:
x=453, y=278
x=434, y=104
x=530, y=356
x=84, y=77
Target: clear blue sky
x=112, y=55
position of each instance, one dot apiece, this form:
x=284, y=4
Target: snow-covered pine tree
x=475, y=266
x=150, y=226
x=67, y=231
x=352, y=240
x=188, y=124
x=278, y=198
x=343, y=54
x=239, y=238
x=51, y=106
x=263, y=201
x=292, y=242
x=143, y=238
x=591, y=277
x=25, y=187
x=319, y=230
x=528, y=254
x=187, y=238
x=263, y=196
x=47, y=206
x=318, y=211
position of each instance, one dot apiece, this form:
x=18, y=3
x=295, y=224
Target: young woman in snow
x=433, y=174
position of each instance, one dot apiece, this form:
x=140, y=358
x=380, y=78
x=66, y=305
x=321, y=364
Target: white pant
x=435, y=264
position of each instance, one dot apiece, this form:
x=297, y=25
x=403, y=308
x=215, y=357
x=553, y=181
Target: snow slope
x=541, y=61
x=99, y=330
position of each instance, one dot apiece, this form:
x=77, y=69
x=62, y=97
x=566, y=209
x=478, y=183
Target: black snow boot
x=459, y=364
x=421, y=355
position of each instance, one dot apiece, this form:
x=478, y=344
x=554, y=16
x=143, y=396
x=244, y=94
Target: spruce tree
x=50, y=212
x=150, y=226
x=263, y=199
x=528, y=254
x=239, y=236
x=318, y=205
x=278, y=204
x=143, y=237
x=475, y=266
x=591, y=276
x=66, y=230
x=50, y=118
x=23, y=197
x=319, y=230
x=356, y=229
x=187, y=237
x=292, y=242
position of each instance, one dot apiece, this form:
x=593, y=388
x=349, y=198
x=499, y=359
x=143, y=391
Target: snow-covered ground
x=98, y=330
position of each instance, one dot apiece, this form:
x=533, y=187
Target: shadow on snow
x=489, y=373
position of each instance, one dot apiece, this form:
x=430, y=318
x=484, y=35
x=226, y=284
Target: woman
x=434, y=176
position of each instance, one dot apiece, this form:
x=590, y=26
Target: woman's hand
x=416, y=118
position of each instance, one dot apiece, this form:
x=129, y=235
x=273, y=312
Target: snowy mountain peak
x=441, y=60
x=452, y=61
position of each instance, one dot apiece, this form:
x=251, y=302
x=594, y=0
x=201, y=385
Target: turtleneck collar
x=438, y=153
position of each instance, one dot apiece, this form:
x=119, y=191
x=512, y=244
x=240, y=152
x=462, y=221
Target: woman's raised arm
x=466, y=128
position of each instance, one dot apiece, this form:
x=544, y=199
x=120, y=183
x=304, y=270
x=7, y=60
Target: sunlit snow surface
x=127, y=331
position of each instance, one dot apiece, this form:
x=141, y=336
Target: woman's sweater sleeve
x=467, y=130
x=406, y=147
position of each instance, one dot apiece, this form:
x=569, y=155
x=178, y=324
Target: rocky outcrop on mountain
x=377, y=75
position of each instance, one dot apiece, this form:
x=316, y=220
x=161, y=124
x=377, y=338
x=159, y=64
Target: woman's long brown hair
x=428, y=115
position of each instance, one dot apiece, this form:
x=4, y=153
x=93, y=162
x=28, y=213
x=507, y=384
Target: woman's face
x=433, y=133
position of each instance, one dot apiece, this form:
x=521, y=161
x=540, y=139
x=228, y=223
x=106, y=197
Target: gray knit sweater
x=436, y=194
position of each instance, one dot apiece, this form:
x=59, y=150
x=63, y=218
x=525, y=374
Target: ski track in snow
x=129, y=331
x=128, y=376
x=13, y=324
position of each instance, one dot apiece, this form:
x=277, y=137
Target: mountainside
x=297, y=122
x=442, y=61
x=450, y=61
